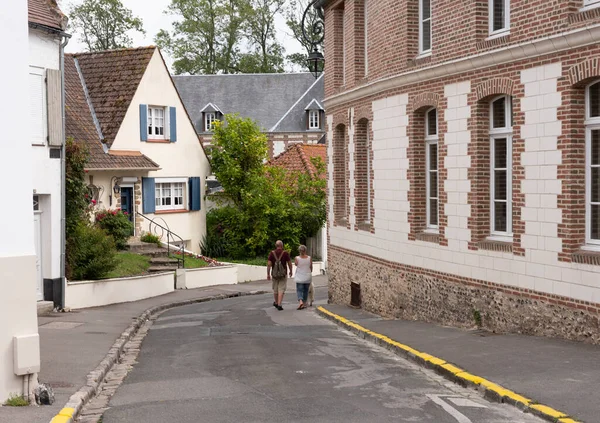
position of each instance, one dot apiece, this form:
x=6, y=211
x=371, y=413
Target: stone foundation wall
x=406, y=292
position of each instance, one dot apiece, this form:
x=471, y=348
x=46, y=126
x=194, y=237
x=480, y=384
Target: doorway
x=127, y=203
x=37, y=231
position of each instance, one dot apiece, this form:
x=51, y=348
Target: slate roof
x=80, y=126
x=275, y=101
x=112, y=78
x=46, y=13
x=297, y=158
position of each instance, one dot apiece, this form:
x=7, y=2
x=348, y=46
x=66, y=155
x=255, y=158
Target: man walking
x=276, y=268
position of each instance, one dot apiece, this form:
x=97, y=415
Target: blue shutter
x=194, y=184
x=173, y=123
x=148, y=195
x=144, y=122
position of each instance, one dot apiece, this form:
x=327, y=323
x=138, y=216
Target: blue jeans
x=302, y=290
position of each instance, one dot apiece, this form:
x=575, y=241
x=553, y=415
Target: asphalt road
x=241, y=360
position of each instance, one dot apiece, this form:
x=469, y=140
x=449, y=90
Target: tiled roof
x=112, y=78
x=47, y=13
x=297, y=158
x=80, y=126
x=275, y=101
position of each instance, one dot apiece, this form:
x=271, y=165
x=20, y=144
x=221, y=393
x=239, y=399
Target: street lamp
x=315, y=59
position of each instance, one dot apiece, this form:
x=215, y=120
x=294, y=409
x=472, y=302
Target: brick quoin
x=554, y=274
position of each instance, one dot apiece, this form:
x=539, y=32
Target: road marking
x=460, y=417
x=465, y=402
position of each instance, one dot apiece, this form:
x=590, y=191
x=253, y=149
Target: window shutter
x=55, y=109
x=37, y=105
x=194, y=184
x=144, y=122
x=173, y=123
x=308, y=119
x=148, y=195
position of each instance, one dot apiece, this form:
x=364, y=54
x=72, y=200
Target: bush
x=150, y=238
x=116, y=224
x=93, y=253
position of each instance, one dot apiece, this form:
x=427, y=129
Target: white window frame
x=314, y=116
x=41, y=72
x=591, y=123
x=504, y=30
x=430, y=140
x=497, y=133
x=152, y=116
x=172, y=181
x=589, y=4
x=423, y=52
x=209, y=121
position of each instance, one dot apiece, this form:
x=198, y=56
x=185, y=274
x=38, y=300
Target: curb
x=80, y=398
x=490, y=390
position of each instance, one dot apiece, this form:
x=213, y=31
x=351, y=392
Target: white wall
x=44, y=52
x=539, y=269
x=18, y=312
x=209, y=276
x=183, y=158
x=113, y=291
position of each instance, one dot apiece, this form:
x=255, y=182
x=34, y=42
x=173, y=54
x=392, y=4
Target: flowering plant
x=116, y=223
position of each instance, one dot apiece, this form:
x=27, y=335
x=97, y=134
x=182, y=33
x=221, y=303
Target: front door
x=37, y=230
x=127, y=202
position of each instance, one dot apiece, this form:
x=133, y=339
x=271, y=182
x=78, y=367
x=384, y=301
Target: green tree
x=266, y=54
x=104, y=24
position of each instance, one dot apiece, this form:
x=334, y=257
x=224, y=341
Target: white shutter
x=37, y=106
x=54, y=94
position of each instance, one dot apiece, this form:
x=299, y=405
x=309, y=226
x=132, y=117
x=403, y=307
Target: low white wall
x=248, y=273
x=208, y=276
x=112, y=291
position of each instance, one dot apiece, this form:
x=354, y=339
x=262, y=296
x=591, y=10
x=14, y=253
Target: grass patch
x=16, y=401
x=192, y=262
x=257, y=261
x=129, y=264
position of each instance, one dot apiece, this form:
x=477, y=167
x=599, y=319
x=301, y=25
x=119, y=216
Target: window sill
x=497, y=243
x=498, y=34
x=588, y=254
x=589, y=7
x=161, y=141
x=364, y=226
x=428, y=236
x=585, y=13
x=340, y=222
x=171, y=211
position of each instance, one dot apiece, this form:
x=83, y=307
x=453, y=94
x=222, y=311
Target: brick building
x=287, y=106
x=464, y=161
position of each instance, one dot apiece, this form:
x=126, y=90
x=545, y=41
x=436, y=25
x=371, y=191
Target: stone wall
x=411, y=293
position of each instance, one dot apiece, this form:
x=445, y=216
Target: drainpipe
x=63, y=166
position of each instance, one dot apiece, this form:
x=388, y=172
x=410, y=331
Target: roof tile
x=47, y=13
x=297, y=158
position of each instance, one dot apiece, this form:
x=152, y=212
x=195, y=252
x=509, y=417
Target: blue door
x=127, y=202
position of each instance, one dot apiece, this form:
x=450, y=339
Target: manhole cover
x=61, y=325
x=60, y=384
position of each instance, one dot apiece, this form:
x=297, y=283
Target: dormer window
x=210, y=114
x=313, y=119
x=314, y=111
x=209, y=120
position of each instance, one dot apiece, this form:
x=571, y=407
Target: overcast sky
x=151, y=12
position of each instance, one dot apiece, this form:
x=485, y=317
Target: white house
x=145, y=155
x=19, y=340
x=46, y=32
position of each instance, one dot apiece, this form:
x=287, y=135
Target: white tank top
x=303, y=273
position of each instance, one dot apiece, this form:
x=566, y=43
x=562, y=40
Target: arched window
x=592, y=164
x=362, y=170
x=431, y=163
x=340, y=197
x=501, y=122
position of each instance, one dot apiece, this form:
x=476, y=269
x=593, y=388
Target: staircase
x=159, y=256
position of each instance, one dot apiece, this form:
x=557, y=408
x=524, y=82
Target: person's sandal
x=274, y=304
x=279, y=308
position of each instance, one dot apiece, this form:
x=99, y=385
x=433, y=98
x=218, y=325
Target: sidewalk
x=560, y=374
x=73, y=344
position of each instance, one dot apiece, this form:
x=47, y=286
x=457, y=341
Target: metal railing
x=160, y=231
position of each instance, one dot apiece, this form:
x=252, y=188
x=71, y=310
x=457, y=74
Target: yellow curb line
x=505, y=395
x=64, y=416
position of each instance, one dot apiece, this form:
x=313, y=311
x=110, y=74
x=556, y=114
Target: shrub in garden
x=93, y=253
x=116, y=224
x=150, y=238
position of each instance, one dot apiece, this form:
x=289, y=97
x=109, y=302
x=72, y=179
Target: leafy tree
x=104, y=24
x=267, y=52
x=266, y=203
x=294, y=14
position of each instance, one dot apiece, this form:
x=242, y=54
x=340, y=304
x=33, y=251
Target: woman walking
x=303, y=276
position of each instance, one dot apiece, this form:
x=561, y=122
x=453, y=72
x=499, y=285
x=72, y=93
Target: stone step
x=137, y=247
x=158, y=252
x=44, y=307
x=163, y=261
x=158, y=269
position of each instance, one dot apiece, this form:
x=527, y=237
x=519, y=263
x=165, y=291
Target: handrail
x=170, y=234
